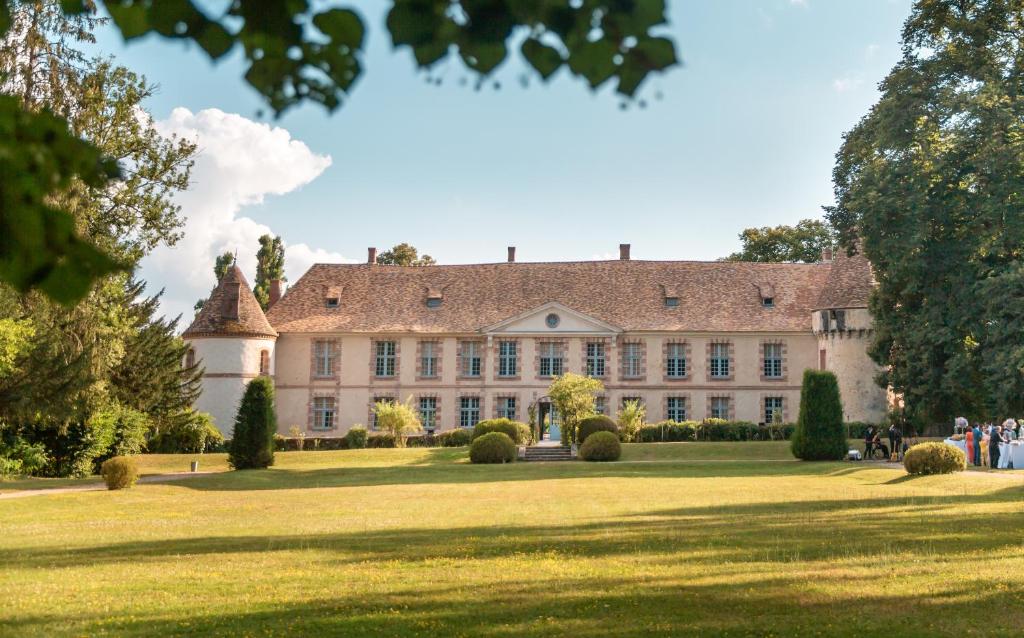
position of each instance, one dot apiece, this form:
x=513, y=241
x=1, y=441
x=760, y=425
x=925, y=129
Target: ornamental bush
x=382, y=440
x=458, y=437
x=601, y=446
x=493, y=447
x=252, y=444
x=820, y=433
x=194, y=433
x=356, y=438
x=934, y=458
x=520, y=433
x=119, y=472
x=597, y=423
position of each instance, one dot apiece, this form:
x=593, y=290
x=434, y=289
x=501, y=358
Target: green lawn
x=419, y=542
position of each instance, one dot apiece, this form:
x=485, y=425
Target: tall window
x=428, y=412
x=719, y=360
x=550, y=359
x=719, y=407
x=675, y=361
x=507, y=408
x=600, y=405
x=469, y=411
x=385, y=363
x=471, y=358
x=264, y=361
x=632, y=365
x=773, y=360
x=508, y=366
x=190, y=358
x=428, y=359
x=323, y=352
x=675, y=409
x=595, y=359
x=771, y=405
x=373, y=413
x=323, y=413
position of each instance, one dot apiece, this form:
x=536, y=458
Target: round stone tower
x=234, y=343
x=843, y=327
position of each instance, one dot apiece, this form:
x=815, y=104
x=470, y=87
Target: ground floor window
x=469, y=411
x=719, y=407
x=771, y=406
x=323, y=413
x=507, y=408
x=675, y=409
x=600, y=405
x=428, y=413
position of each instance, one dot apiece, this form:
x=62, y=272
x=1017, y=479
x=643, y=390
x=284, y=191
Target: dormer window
x=434, y=296
x=332, y=302
x=671, y=296
x=434, y=302
x=768, y=302
x=671, y=302
x=332, y=297
x=767, y=293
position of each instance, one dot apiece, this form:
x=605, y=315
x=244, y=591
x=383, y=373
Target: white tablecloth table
x=1016, y=456
x=1004, y=456
x=962, y=445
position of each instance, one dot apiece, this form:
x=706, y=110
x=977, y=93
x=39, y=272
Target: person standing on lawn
x=994, y=438
x=894, y=435
x=972, y=456
x=869, y=441
x=976, y=432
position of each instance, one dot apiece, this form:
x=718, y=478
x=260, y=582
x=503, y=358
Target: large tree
x=929, y=185
x=269, y=266
x=220, y=268
x=801, y=243
x=404, y=255
x=297, y=52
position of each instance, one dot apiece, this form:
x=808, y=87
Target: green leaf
x=5, y=17
x=132, y=20
x=594, y=61
x=342, y=26
x=655, y=53
x=215, y=40
x=546, y=60
x=483, y=57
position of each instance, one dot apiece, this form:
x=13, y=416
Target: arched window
x=190, y=358
x=264, y=362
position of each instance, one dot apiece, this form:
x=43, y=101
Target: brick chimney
x=275, y=293
x=624, y=252
x=371, y=255
x=826, y=255
x=511, y=254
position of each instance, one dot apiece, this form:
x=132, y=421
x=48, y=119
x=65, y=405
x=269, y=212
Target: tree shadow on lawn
x=870, y=530
x=730, y=600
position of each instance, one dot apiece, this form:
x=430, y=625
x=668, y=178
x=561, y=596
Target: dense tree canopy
x=801, y=243
x=931, y=182
x=269, y=266
x=404, y=255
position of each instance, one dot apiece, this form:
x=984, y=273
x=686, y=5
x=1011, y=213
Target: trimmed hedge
x=119, y=472
x=520, y=433
x=712, y=430
x=459, y=437
x=597, y=423
x=934, y=458
x=356, y=438
x=601, y=446
x=820, y=434
x=493, y=447
x=380, y=440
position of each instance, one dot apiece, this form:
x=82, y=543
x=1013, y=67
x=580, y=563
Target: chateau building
x=690, y=340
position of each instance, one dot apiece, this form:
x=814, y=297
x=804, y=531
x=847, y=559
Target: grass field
x=687, y=539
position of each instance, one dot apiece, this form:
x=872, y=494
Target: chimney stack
x=275, y=293
x=624, y=252
x=511, y=254
x=826, y=255
x=371, y=255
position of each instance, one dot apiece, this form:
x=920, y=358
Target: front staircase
x=548, y=453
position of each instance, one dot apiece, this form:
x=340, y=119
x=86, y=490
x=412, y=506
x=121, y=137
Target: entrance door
x=549, y=425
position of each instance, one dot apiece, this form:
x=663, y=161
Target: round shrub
x=520, y=433
x=597, y=423
x=356, y=438
x=494, y=447
x=601, y=446
x=459, y=437
x=119, y=472
x=934, y=458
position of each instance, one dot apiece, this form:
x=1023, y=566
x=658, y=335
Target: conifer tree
x=252, y=442
x=820, y=434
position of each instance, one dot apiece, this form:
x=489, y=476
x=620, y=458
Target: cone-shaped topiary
x=820, y=434
x=252, y=444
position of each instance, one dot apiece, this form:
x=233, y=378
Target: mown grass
x=420, y=543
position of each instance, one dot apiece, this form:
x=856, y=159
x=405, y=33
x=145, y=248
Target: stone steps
x=548, y=453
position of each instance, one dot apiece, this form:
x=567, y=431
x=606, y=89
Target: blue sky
x=744, y=134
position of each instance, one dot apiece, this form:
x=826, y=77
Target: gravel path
x=95, y=487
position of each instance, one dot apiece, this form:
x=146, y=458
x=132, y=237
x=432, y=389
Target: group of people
x=982, y=440
x=873, y=441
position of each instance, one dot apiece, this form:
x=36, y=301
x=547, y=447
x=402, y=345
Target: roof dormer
x=766, y=291
x=435, y=295
x=671, y=295
x=332, y=296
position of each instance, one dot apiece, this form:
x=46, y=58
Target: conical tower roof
x=232, y=310
x=849, y=282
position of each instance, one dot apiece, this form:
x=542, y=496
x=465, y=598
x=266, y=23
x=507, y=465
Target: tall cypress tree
x=269, y=266
x=252, y=443
x=820, y=434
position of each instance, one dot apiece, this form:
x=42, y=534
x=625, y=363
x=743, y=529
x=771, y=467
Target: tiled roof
x=232, y=309
x=629, y=294
x=849, y=282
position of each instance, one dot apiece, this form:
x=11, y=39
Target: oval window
x=552, y=320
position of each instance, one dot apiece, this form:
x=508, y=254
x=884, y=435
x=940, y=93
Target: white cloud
x=847, y=83
x=239, y=163
x=798, y=3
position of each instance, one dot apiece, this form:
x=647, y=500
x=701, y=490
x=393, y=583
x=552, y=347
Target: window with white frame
x=323, y=413
x=428, y=359
x=469, y=411
x=550, y=359
x=600, y=405
x=719, y=360
x=675, y=409
x=471, y=358
x=632, y=362
x=595, y=359
x=675, y=361
x=507, y=408
x=773, y=360
x=373, y=413
x=385, y=363
x=323, y=353
x=428, y=413
x=771, y=406
x=719, y=407
x=508, y=364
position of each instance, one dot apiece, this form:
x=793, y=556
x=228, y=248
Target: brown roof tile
x=232, y=309
x=849, y=282
x=713, y=296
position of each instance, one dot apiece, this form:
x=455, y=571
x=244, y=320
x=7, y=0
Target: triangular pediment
x=536, y=321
